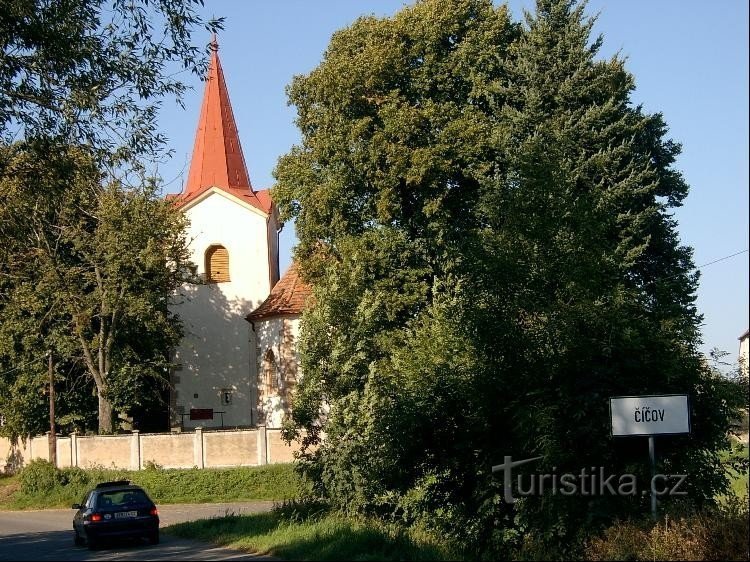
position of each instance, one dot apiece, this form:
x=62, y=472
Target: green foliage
x=94, y=71
x=40, y=477
x=43, y=486
x=720, y=533
x=81, y=83
x=736, y=460
x=85, y=270
x=288, y=534
x=485, y=219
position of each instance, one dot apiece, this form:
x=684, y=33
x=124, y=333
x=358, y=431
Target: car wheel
x=77, y=540
x=153, y=538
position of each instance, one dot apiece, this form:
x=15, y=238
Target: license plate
x=126, y=514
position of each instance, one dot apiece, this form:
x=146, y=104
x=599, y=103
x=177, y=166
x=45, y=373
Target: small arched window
x=217, y=264
x=270, y=381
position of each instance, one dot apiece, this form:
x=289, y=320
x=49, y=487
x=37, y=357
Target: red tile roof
x=288, y=296
x=217, y=153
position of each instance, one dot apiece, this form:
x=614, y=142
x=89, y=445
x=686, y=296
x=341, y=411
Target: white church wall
x=270, y=334
x=243, y=232
x=214, y=355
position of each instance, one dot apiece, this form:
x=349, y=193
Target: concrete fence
x=133, y=451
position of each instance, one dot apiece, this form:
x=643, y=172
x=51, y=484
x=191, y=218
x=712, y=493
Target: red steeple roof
x=217, y=154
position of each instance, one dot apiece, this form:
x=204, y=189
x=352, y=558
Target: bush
x=719, y=533
x=39, y=477
x=75, y=477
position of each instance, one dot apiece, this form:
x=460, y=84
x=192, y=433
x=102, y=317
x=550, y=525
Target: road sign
x=666, y=414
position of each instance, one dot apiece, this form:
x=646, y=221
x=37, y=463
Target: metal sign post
x=666, y=414
x=652, y=457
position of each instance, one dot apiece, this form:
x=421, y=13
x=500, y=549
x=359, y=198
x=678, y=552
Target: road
x=48, y=535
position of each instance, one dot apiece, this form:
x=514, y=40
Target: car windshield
x=121, y=498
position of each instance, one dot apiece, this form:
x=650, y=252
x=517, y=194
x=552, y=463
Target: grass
x=323, y=537
x=719, y=533
x=9, y=485
x=49, y=488
x=739, y=478
x=714, y=534
x=740, y=482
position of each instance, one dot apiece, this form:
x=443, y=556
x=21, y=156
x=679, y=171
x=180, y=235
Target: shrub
x=719, y=533
x=39, y=477
x=74, y=477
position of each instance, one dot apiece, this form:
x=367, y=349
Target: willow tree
x=484, y=216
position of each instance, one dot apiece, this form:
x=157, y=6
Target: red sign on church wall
x=201, y=413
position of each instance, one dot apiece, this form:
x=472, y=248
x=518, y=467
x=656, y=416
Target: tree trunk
x=105, y=413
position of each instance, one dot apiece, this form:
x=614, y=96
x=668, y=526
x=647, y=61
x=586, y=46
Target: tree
x=86, y=270
x=484, y=217
x=81, y=82
x=95, y=71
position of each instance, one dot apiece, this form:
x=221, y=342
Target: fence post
x=73, y=449
x=198, y=457
x=262, y=445
x=135, y=450
x=49, y=455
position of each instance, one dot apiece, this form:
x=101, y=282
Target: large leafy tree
x=484, y=216
x=89, y=278
x=81, y=82
x=95, y=71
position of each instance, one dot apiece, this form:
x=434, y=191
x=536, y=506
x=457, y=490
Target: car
x=115, y=510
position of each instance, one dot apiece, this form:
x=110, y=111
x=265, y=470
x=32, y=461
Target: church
x=237, y=364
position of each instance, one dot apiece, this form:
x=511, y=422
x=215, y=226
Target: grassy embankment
x=49, y=488
x=324, y=536
x=715, y=534
x=321, y=535
x=284, y=533
x=720, y=533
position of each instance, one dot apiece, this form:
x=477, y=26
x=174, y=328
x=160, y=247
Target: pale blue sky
x=689, y=58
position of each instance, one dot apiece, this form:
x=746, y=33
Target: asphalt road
x=48, y=535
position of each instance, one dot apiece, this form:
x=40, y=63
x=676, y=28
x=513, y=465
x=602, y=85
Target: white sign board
x=650, y=415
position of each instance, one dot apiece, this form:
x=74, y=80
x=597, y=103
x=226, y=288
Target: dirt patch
x=8, y=489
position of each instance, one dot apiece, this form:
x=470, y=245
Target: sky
x=689, y=59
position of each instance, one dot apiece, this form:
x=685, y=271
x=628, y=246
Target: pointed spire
x=217, y=153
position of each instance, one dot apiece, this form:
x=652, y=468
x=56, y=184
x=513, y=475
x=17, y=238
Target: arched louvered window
x=270, y=382
x=217, y=264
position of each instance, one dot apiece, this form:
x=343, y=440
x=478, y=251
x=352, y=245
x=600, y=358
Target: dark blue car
x=115, y=510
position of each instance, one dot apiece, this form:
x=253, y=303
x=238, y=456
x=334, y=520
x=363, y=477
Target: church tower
x=233, y=238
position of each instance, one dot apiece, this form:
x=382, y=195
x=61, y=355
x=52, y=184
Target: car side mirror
x=76, y=506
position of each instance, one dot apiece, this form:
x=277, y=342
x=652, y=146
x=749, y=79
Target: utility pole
x=52, y=428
